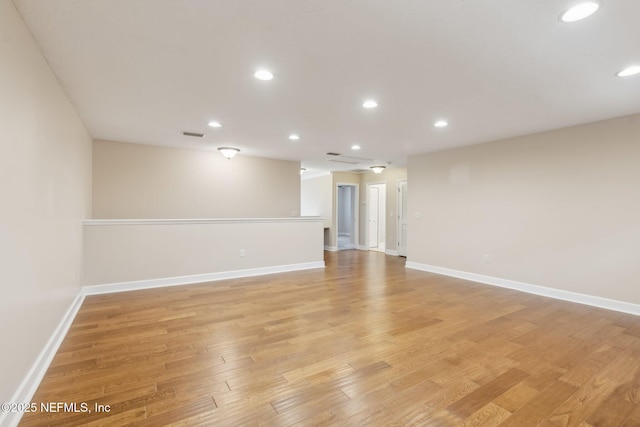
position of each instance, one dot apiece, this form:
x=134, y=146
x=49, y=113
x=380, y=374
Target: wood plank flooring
x=363, y=342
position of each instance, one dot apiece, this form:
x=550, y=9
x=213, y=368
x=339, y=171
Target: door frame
x=356, y=213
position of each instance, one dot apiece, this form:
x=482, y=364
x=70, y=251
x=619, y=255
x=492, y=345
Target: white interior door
x=402, y=218
x=374, y=213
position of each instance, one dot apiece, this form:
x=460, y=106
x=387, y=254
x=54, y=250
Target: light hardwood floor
x=363, y=342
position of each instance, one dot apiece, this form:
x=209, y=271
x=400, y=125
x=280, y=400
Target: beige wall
x=315, y=197
x=559, y=209
x=45, y=182
x=139, y=181
x=147, y=250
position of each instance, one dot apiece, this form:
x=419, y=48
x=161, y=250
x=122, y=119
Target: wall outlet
x=241, y=252
x=487, y=258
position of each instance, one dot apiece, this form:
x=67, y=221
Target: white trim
x=330, y=248
x=390, y=252
x=196, y=278
x=361, y=248
x=92, y=222
x=31, y=381
x=606, y=303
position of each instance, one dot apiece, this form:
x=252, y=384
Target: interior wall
x=315, y=197
x=140, y=181
x=45, y=182
x=557, y=209
x=133, y=251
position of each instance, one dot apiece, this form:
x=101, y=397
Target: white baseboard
x=331, y=248
x=362, y=248
x=606, y=303
x=197, y=278
x=31, y=381
x=392, y=253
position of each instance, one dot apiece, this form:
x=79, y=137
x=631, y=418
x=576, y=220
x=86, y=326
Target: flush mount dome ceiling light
x=441, y=124
x=370, y=104
x=579, y=11
x=294, y=137
x=377, y=169
x=215, y=124
x=263, y=75
x=629, y=71
x=355, y=147
x=228, y=152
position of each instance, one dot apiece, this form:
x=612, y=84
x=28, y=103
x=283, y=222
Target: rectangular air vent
x=194, y=134
x=333, y=154
x=350, y=160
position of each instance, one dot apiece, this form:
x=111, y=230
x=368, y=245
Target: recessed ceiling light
x=370, y=104
x=441, y=123
x=215, y=124
x=355, y=147
x=294, y=137
x=629, y=71
x=263, y=75
x=579, y=11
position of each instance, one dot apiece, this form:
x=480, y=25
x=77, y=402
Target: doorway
x=347, y=216
x=376, y=216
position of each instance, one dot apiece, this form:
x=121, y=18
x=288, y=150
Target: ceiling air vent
x=349, y=160
x=359, y=170
x=194, y=134
x=333, y=154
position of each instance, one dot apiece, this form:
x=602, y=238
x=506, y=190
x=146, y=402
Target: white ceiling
x=143, y=71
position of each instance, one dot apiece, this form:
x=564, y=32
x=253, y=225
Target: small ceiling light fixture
x=263, y=75
x=441, y=124
x=579, y=11
x=228, y=152
x=294, y=137
x=370, y=104
x=377, y=169
x=215, y=124
x=302, y=170
x=355, y=147
x=629, y=71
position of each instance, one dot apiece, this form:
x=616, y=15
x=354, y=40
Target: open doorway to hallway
x=347, y=216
